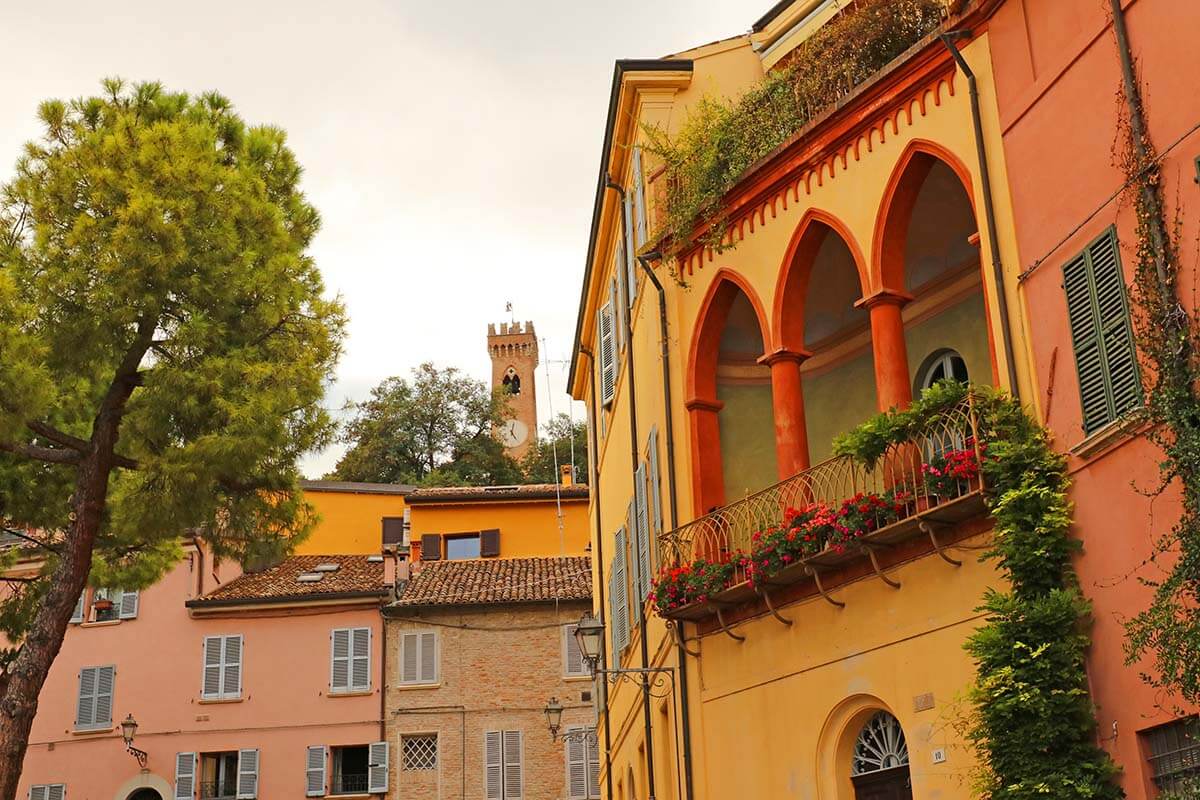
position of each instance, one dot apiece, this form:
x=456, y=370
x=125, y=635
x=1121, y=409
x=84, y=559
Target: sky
x=451, y=148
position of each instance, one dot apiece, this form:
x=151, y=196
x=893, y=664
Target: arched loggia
x=824, y=340
x=730, y=405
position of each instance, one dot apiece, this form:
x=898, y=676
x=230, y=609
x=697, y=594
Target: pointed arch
x=896, y=208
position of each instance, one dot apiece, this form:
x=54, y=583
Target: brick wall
x=488, y=680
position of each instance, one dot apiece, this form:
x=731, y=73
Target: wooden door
x=886, y=784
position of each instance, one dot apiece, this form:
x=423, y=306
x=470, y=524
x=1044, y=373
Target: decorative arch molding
x=708, y=479
x=896, y=208
x=835, y=743
x=706, y=331
x=146, y=780
x=791, y=289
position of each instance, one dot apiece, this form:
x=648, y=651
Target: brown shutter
x=431, y=546
x=489, y=543
x=393, y=530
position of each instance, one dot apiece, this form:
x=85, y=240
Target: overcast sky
x=451, y=147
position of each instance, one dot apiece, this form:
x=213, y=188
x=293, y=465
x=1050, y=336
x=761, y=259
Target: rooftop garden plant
x=722, y=137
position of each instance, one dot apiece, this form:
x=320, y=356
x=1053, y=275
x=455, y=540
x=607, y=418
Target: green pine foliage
x=1033, y=723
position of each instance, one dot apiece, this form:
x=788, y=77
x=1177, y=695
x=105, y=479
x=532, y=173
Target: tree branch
x=29, y=539
x=47, y=454
x=57, y=436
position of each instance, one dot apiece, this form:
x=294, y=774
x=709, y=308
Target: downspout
x=989, y=208
x=684, y=714
x=595, y=493
x=627, y=322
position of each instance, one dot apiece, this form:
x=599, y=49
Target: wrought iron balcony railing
x=924, y=497
x=217, y=790
x=349, y=784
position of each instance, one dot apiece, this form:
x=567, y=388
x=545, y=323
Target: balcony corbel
x=766, y=598
x=815, y=574
x=737, y=637
x=869, y=549
x=676, y=629
x=930, y=529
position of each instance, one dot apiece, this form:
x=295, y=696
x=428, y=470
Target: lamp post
x=129, y=728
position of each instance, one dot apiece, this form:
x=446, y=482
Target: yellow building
x=860, y=265
x=355, y=518
x=499, y=521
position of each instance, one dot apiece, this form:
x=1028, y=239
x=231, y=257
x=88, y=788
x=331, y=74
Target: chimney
x=566, y=474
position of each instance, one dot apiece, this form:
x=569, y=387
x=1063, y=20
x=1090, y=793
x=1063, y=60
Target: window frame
x=465, y=536
x=350, y=686
x=222, y=666
x=95, y=725
x=591, y=745
x=437, y=656
x=437, y=751
x=1169, y=780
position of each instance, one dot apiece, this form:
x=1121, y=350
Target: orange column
x=892, y=385
x=787, y=394
x=708, y=477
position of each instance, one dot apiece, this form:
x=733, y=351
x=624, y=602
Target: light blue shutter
x=56, y=791
x=231, y=675
x=577, y=778
x=620, y=595
x=655, y=486
x=607, y=353
x=105, y=677
x=630, y=259
x=643, y=535
x=41, y=792
x=593, y=755
x=77, y=614
x=514, y=767
x=615, y=295
x=314, y=771
x=128, y=604
x=211, y=684
x=377, y=780
x=639, y=201
x=185, y=776
x=247, y=783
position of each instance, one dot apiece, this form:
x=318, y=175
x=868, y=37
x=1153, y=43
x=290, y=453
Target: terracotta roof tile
x=483, y=581
x=532, y=491
x=354, y=575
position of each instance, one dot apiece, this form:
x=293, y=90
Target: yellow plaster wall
x=527, y=528
x=351, y=523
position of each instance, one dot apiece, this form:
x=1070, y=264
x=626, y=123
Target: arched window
x=512, y=381
x=880, y=746
x=939, y=366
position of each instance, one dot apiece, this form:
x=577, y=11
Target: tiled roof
x=531, y=491
x=356, y=487
x=482, y=581
x=354, y=576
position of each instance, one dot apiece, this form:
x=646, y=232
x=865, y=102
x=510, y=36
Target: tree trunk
x=26, y=675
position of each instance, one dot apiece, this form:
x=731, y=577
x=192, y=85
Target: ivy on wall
x=1032, y=720
x=722, y=138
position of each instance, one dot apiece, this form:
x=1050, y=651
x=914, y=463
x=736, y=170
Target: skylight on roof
x=328, y=566
x=310, y=577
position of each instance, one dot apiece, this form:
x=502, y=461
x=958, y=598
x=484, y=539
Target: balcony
x=823, y=519
x=349, y=784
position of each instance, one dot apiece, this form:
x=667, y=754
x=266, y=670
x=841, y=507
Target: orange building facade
x=1057, y=65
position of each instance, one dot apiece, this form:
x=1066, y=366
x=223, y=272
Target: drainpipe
x=627, y=322
x=595, y=492
x=684, y=721
x=989, y=207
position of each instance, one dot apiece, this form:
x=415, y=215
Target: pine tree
x=164, y=343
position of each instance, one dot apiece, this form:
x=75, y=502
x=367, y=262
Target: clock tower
x=514, y=353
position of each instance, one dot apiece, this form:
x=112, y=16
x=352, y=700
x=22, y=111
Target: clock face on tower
x=513, y=432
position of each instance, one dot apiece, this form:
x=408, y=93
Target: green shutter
x=1101, y=334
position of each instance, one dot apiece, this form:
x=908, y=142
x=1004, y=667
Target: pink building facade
x=264, y=685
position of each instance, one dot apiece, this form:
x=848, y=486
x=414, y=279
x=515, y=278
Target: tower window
x=512, y=381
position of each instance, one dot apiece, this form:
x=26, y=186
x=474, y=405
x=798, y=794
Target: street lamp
x=129, y=728
x=554, y=712
x=589, y=635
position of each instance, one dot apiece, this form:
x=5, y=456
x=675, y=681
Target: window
x=419, y=657
x=1175, y=753
x=420, y=752
x=222, y=668
x=94, y=707
x=108, y=605
x=48, y=791
x=356, y=769
x=573, y=665
x=618, y=597
x=218, y=775
x=461, y=546
x=1101, y=333
x=503, y=757
x=583, y=765
x=350, y=660
x=942, y=365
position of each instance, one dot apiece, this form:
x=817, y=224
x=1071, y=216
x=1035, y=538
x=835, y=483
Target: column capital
x=783, y=354
x=884, y=297
x=699, y=404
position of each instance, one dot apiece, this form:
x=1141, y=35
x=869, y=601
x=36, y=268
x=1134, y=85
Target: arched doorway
x=879, y=769
x=730, y=400
x=145, y=794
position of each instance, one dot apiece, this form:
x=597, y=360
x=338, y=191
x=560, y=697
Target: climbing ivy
x=1032, y=720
